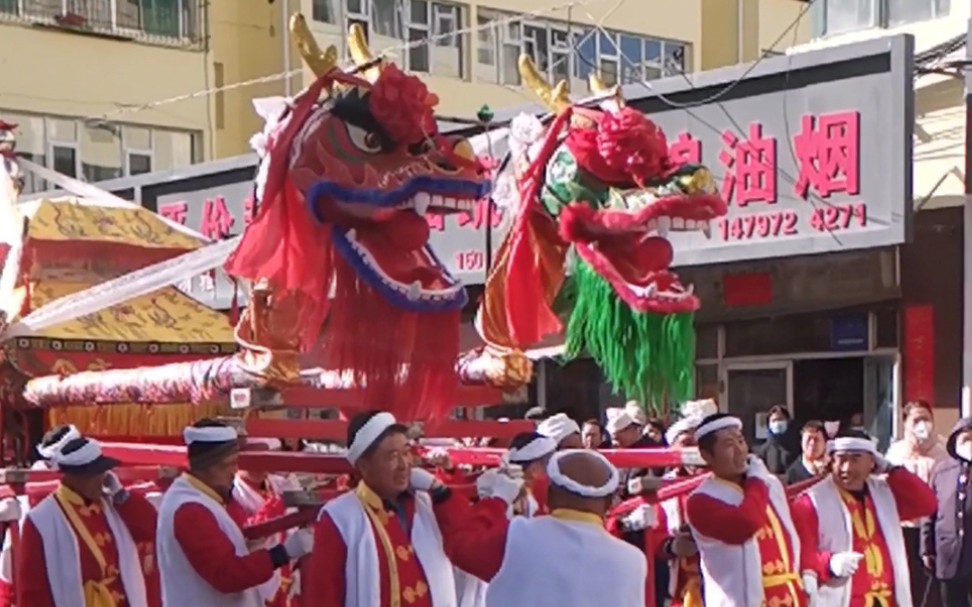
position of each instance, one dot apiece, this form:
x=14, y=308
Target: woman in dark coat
x=780, y=449
x=946, y=538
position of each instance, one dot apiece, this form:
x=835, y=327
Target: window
x=98, y=150
x=165, y=21
x=431, y=28
x=139, y=164
x=324, y=11
x=632, y=54
x=911, y=11
x=840, y=16
x=608, y=58
x=674, y=59
x=560, y=54
x=654, y=67
x=485, y=42
x=101, y=152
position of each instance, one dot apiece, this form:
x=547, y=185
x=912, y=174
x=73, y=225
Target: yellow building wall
x=57, y=73
x=247, y=42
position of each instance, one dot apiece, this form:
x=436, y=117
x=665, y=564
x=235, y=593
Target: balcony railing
x=165, y=22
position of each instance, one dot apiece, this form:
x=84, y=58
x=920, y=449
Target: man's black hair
x=358, y=422
x=707, y=442
x=851, y=433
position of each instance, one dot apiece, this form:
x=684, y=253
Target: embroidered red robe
x=96, y=547
x=755, y=519
x=326, y=588
x=873, y=583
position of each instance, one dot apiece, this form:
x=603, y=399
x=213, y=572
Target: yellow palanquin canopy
x=69, y=245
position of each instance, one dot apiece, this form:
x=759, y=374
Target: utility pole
x=967, y=239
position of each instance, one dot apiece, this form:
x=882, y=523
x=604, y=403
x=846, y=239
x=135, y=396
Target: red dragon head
x=350, y=169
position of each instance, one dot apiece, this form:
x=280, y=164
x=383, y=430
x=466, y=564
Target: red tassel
x=234, y=312
x=404, y=361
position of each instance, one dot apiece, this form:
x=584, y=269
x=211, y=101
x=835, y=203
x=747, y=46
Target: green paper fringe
x=646, y=357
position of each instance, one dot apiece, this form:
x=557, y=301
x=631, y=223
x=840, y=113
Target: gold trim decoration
x=361, y=54
x=371, y=502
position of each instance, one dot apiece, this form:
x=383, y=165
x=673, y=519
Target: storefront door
x=752, y=388
x=881, y=396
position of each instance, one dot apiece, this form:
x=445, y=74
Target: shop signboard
x=813, y=152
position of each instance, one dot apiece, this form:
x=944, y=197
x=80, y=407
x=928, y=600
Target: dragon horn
x=360, y=53
x=320, y=62
x=554, y=97
x=599, y=88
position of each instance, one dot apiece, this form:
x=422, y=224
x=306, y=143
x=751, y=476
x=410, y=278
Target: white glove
x=755, y=468
x=422, y=480
x=299, y=543
x=810, y=588
x=844, y=564
x=506, y=488
x=9, y=510
x=113, y=488
x=643, y=517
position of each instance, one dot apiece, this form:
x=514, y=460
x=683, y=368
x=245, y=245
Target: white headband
x=534, y=450
x=682, y=426
x=718, y=424
x=212, y=434
x=368, y=434
x=89, y=452
x=49, y=451
x=559, y=479
x=852, y=443
x=558, y=427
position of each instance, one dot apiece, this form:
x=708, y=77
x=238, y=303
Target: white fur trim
x=81, y=457
x=718, y=424
x=559, y=479
x=682, y=426
x=48, y=452
x=850, y=443
x=215, y=434
x=558, y=427
x=540, y=447
x=368, y=434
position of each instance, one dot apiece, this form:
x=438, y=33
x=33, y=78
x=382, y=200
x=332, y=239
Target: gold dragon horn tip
x=597, y=87
x=358, y=44
x=551, y=97
x=320, y=62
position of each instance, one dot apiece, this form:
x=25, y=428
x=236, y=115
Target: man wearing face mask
x=918, y=452
x=945, y=545
x=779, y=450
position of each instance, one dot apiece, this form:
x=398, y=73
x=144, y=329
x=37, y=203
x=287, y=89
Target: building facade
x=942, y=359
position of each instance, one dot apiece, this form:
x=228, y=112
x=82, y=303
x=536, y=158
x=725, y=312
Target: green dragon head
x=595, y=190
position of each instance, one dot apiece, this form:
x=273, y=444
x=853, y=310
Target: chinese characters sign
x=814, y=162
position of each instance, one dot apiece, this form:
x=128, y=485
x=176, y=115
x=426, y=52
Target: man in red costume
x=204, y=558
x=749, y=550
x=530, y=451
x=381, y=544
x=16, y=508
x=560, y=560
x=79, y=543
x=257, y=497
x=850, y=527
x=677, y=546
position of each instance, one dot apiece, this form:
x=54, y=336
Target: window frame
x=34, y=11
x=882, y=18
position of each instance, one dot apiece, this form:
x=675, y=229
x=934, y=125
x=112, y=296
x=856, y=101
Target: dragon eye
x=366, y=141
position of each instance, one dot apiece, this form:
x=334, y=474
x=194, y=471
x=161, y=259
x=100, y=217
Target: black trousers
x=924, y=592
x=957, y=592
